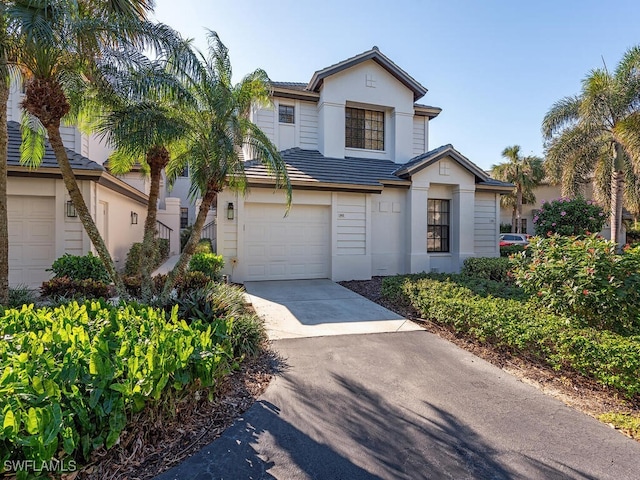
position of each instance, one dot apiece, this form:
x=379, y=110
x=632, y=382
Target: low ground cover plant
x=73, y=376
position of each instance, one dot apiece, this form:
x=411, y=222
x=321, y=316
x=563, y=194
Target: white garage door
x=31, y=239
x=295, y=247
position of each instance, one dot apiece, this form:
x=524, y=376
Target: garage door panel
x=31, y=239
x=296, y=247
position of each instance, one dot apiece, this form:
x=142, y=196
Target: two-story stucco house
x=369, y=197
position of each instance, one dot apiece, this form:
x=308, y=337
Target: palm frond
x=563, y=113
x=32, y=148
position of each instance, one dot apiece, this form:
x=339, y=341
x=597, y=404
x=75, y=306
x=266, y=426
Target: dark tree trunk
x=189, y=249
x=4, y=219
x=514, y=215
x=157, y=159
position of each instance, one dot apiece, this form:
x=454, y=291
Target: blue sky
x=494, y=67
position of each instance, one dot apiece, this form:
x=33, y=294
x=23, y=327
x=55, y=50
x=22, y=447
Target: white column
x=417, y=257
x=463, y=224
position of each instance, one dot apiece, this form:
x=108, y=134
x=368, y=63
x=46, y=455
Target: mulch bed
x=573, y=389
x=156, y=442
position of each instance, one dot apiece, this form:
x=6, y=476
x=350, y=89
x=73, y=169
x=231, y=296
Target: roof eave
x=431, y=112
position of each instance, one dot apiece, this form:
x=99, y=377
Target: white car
x=514, y=239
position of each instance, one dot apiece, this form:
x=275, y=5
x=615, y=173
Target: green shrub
x=204, y=246
x=566, y=216
x=214, y=300
x=68, y=288
x=80, y=268
x=526, y=328
x=133, y=263
x=72, y=376
x=508, y=250
x=248, y=335
x=208, y=263
x=496, y=269
x=21, y=295
x=584, y=278
x=505, y=228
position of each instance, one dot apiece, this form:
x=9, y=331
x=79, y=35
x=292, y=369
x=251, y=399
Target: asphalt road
x=406, y=405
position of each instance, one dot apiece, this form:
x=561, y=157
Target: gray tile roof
x=312, y=166
x=78, y=162
x=291, y=85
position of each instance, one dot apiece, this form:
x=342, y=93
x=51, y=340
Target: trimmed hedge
x=208, y=263
x=487, y=268
x=527, y=329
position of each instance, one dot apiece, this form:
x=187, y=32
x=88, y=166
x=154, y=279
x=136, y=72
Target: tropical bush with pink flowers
x=569, y=216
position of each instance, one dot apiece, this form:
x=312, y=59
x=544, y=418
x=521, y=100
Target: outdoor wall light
x=71, y=209
x=134, y=218
x=230, y=211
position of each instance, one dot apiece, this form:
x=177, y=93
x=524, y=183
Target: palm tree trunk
x=192, y=243
x=81, y=207
x=519, y=208
x=149, y=243
x=4, y=219
x=514, y=213
x=617, y=189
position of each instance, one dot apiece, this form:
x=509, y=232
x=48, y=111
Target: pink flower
x=563, y=213
x=601, y=214
x=553, y=224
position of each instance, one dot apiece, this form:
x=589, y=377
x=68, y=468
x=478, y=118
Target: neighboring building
x=369, y=196
x=43, y=224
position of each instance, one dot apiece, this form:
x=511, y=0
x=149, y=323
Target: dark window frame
x=364, y=128
x=184, y=217
x=287, y=114
x=438, y=225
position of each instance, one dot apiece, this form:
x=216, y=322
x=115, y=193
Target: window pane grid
x=364, y=129
x=286, y=114
x=438, y=225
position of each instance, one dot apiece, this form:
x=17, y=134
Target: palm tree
x=141, y=122
x=526, y=173
x=595, y=136
x=59, y=43
x=5, y=80
x=220, y=130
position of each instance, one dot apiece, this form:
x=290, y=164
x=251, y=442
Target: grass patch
x=629, y=424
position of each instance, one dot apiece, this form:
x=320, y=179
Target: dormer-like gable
x=376, y=56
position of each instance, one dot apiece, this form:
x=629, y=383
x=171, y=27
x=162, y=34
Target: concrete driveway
x=406, y=405
x=316, y=308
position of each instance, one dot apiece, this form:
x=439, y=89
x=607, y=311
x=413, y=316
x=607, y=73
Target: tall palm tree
x=59, y=43
x=142, y=120
x=526, y=173
x=5, y=81
x=220, y=130
x=595, y=135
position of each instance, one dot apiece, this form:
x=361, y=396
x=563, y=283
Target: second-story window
x=364, y=129
x=286, y=114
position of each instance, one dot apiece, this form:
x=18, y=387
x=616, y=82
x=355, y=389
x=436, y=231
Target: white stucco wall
x=366, y=85
x=389, y=232
x=120, y=233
